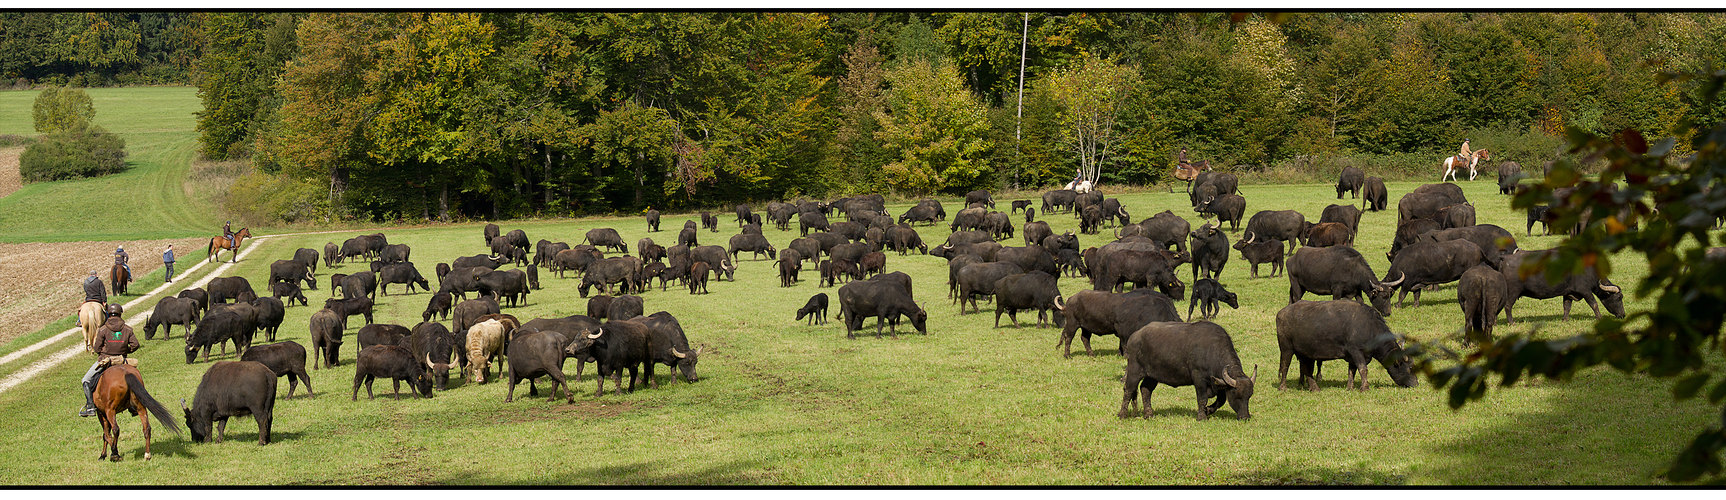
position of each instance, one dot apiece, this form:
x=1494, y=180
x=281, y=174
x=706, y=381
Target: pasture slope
x=783, y=403
x=148, y=201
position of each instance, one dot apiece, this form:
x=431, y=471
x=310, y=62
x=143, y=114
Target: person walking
x=168, y=263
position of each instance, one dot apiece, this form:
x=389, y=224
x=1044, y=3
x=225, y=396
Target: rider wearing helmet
x=117, y=342
x=93, y=290
x=228, y=232
x=121, y=258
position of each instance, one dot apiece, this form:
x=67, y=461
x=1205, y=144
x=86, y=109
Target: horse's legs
x=102, y=416
x=144, y=416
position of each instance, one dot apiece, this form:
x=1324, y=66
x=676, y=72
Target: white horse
x=1454, y=163
x=1080, y=186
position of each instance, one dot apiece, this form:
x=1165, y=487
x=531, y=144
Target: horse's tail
x=161, y=412
x=211, y=250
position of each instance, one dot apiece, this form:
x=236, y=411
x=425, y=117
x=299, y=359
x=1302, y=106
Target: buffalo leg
x=1589, y=298
x=358, y=378
x=1308, y=375
x=1201, y=389
x=510, y=397
x=1283, y=369
x=600, y=378
x=221, y=429
x=1417, y=296
x=1085, y=337
x=1567, y=301
x=617, y=381
x=264, y=420
x=369, y=394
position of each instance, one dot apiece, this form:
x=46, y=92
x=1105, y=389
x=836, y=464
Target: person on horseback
x=93, y=290
x=121, y=258
x=117, y=342
x=1182, y=159
x=1465, y=152
x=228, y=232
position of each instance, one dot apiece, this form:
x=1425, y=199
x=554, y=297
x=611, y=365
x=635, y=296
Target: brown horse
x=121, y=387
x=218, y=244
x=118, y=276
x=1189, y=171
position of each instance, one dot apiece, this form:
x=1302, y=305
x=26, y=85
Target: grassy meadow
x=147, y=201
x=780, y=402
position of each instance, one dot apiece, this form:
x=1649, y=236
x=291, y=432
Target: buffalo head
x=1239, y=391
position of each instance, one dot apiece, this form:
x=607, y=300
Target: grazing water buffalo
x=615, y=347
x=350, y=307
x=1033, y=258
x=623, y=307
x=1350, y=181
x=217, y=328
x=616, y=270
x=717, y=259
x=439, y=305
x=382, y=334
x=1539, y=213
x=652, y=220
x=360, y=284
x=292, y=271
x=540, y=354
x=1287, y=225
x=395, y=253
x=509, y=285
x=404, y=273
x=920, y=213
x=270, y=313
x=393, y=362
x=1455, y=216
x=815, y=309
x=999, y=225
x=1340, y=272
x=697, y=277
x=980, y=279
x=1408, y=232
x=874, y=263
x=230, y=287
x=573, y=327
x=980, y=196
x=755, y=244
x=291, y=291
x=1481, y=293
x=687, y=237
x=171, y=311
x=1036, y=231
x=1330, y=234
x=326, y=333
x=666, y=345
x=598, y=305
x=1490, y=238
x=1167, y=229
x=435, y=346
x=1020, y=204
x=810, y=220
x=1347, y=215
x=1091, y=312
x=968, y=219
x=649, y=251
x=285, y=359
x=1141, y=268
x=1210, y=251
x=884, y=299
x=607, y=238
x=876, y=237
x=1509, y=174
x=331, y=254
x=1316, y=331
x=790, y=262
x=850, y=230
x=1227, y=208
x=1585, y=285
x=545, y=250
x=575, y=259
x=1059, y=199
x=232, y=389
x=1033, y=290
x=1377, y=197
x=1419, y=205
x=1181, y=354
x=1433, y=263
x=1206, y=293
x=482, y=260
x=491, y=233
x=807, y=248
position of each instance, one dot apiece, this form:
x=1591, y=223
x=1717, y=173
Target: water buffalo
x=270, y=314
x=543, y=251
x=884, y=299
x=393, y=362
x=290, y=291
x=382, y=334
x=756, y=244
x=652, y=220
x=1490, y=238
x=1538, y=213
x=1340, y=272
x=218, y=328
x=1455, y=216
x=491, y=233
x=717, y=259
x=392, y=254
x=232, y=389
x=575, y=259
x=1433, y=263
x=1481, y=294
x=1033, y=290
x=1346, y=215
x=1585, y=286
x=331, y=254
x=616, y=270
x=1377, y=197
x=607, y=238
x=285, y=359
x=980, y=196
x=790, y=262
x=615, y=347
x=360, y=284
x=510, y=285
x=1509, y=174
x=968, y=219
x=482, y=260
x=1330, y=234
x=852, y=231
x=1350, y=181
x=810, y=220
x=1408, y=232
x=1315, y=331
x=904, y=239
x=1060, y=198
x=919, y=213
x=404, y=273
x=171, y=311
x=326, y=333
x=435, y=346
x=230, y=287
x=979, y=280
x=709, y=221
x=667, y=346
x=1091, y=312
x=1227, y=208
x=623, y=307
x=1167, y=229
x=1419, y=205
x=1141, y=268
x=573, y=327
x=292, y=271
x=1036, y=231
x=1181, y=354
x=540, y=354
x=649, y=251
x=1210, y=251
x=815, y=309
x=1287, y=225
x=698, y=277
x=999, y=225
x=1206, y=293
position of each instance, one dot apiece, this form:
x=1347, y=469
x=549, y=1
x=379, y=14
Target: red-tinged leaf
x=1631, y=140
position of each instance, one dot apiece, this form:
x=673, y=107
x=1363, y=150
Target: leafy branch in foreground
x=1676, y=337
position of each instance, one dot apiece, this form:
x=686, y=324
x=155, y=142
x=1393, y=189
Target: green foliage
x=60, y=109
x=936, y=130
x=72, y=154
x=259, y=198
x=243, y=55
x=1092, y=95
x=1677, y=339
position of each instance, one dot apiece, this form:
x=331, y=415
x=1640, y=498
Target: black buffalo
x=1059, y=199
x=1350, y=181
x=1181, y=354
x=607, y=238
x=810, y=220
x=790, y=263
x=755, y=244
x=285, y=359
x=1227, y=208
x=197, y=294
x=980, y=196
x=540, y=354
x=604, y=273
x=1340, y=272
x=382, y=334
x=1036, y=231
x=171, y=311
x=575, y=259
x=482, y=260
x=1490, y=238
x=1509, y=174
x=1033, y=258
x=219, y=327
x=885, y=298
x=510, y=285
x=652, y=220
x=270, y=314
x=292, y=271
x=439, y=305
x=404, y=273
x=290, y=291
x=919, y=213
x=1287, y=225
x=1210, y=251
x=717, y=259
x=1585, y=286
x=1022, y=292
x=1330, y=234
x=1377, y=197
x=393, y=362
x=649, y=251
x=1455, y=216
x=979, y=280
x=709, y=221
x=360, y=284
x=395, y=253
x=668, y=346
x=232, y=389
x=968, y=219
x=326, y=333
x=1206, y=294
x=623, y=307
x=815, y=309
x=697, y=279
x=332, y=253
x=1346, y=215
x=1408, y=232
x=350, y=307
x=1482, y=294
x=1167, y=229
x=615, y=347
x=1428, y=263
x=1091, y=312
x=491, y=233
x=1315, y=331
x=227, y=288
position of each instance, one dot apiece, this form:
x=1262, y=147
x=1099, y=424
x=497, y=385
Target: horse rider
x=228, y=232
x=1466, y=153
x=93, y=290
x=121, y=258
x=1182, y=158
x=117, y=342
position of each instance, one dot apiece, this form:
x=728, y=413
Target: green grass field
x=147, y=201
x=783, y=403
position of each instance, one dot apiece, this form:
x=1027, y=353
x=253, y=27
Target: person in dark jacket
x=121, y=258
x=93, y=289
x=168, y=263
x=117, y=342
x=228, y=232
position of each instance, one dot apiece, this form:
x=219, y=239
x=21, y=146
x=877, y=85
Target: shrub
x=259, y=198
x=89, y=152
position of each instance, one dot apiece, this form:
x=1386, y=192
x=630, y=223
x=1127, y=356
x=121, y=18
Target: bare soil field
x=10, y=180
x=39, y=282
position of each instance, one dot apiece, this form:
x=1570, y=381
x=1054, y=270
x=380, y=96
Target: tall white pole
x=1019, y=116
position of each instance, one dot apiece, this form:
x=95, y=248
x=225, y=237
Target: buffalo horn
x=1060, y=305
x=1397, y=282
x=1250, y=235
x=1230, y=380
x=429, y=361
x=597, y=333
x=678, y=354
x=1610, y=288
x=183, y=404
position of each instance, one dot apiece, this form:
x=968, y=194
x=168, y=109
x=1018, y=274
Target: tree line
x=499, y=114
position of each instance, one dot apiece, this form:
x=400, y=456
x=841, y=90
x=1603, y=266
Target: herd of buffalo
x=1437, y=241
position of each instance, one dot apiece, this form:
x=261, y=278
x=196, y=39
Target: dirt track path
x=10, y=179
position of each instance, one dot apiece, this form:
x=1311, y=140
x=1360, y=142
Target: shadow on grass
x=1292, y=475
x=641, y=473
